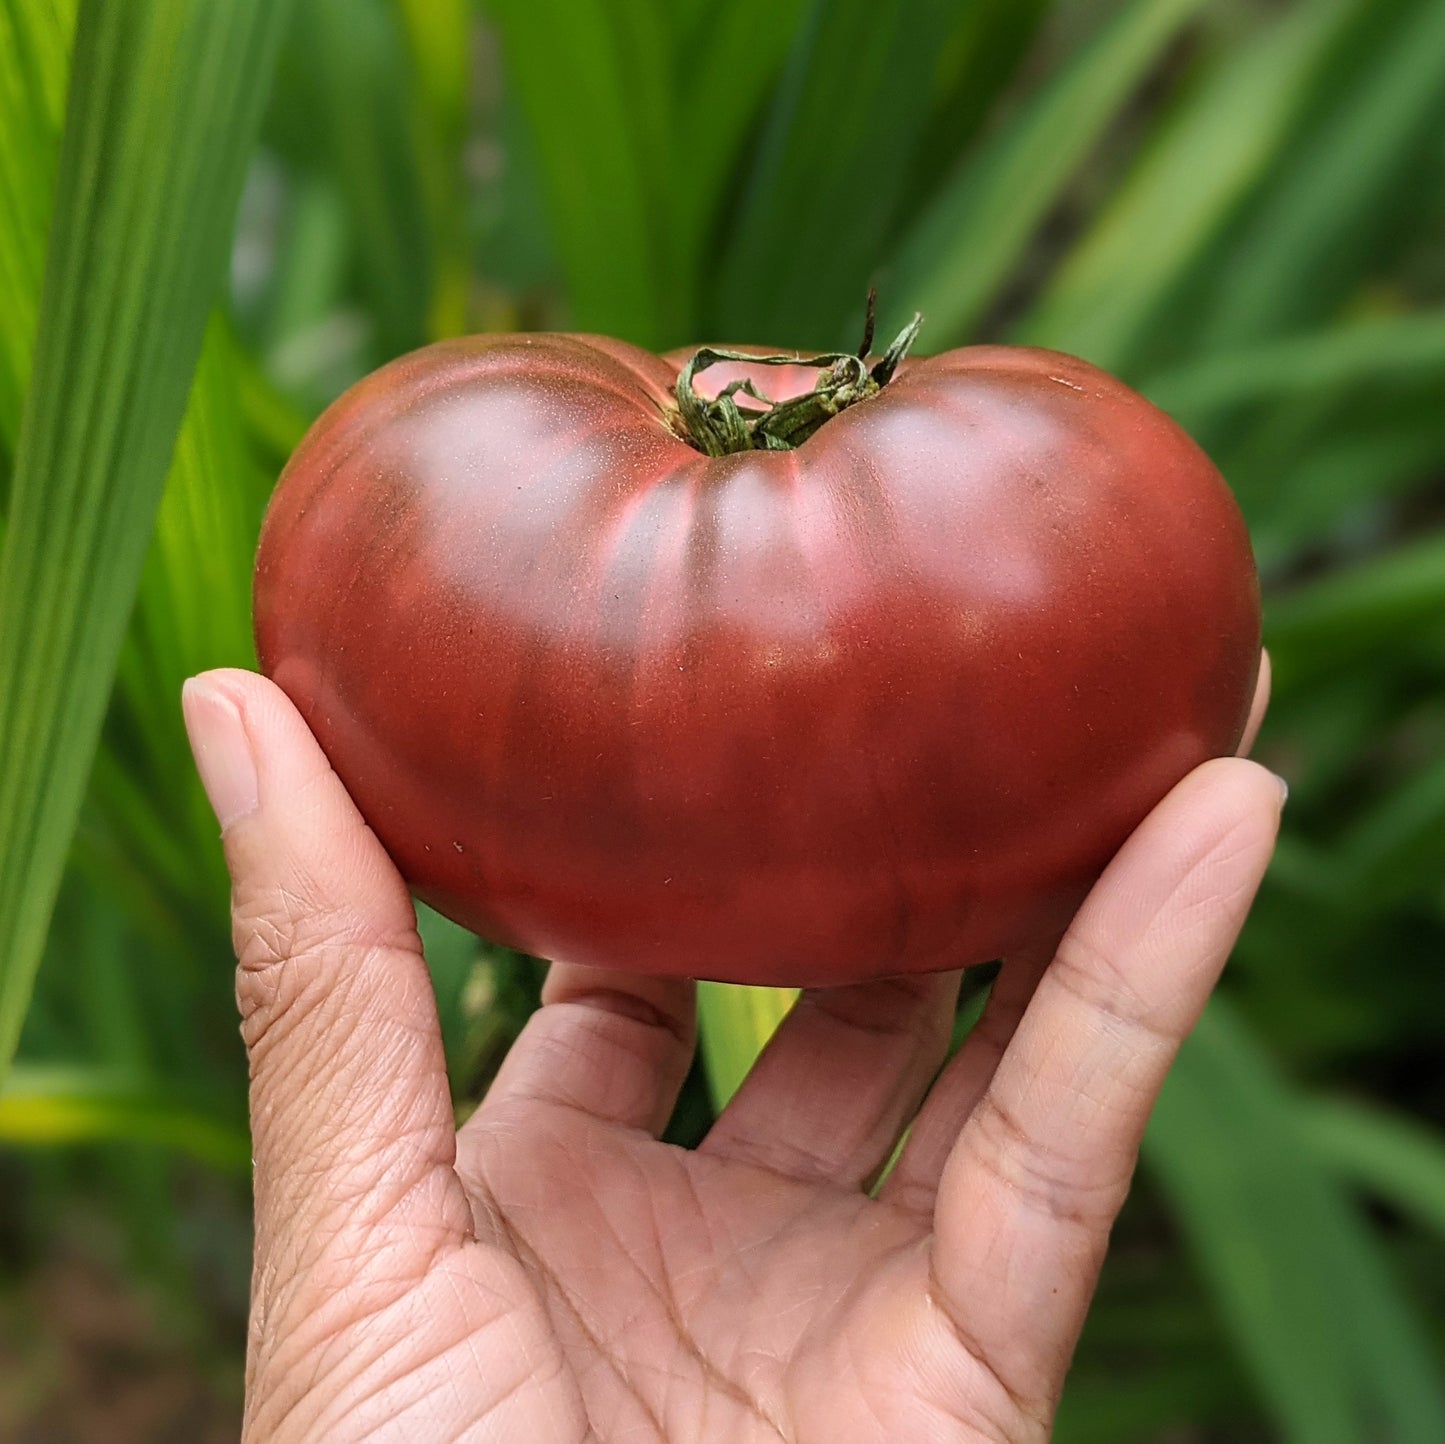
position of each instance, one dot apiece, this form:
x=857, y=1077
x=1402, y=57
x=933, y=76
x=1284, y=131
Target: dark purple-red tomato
x=882, y=704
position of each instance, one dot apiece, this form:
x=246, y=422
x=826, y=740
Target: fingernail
x=1283, y=789
x=222, y=750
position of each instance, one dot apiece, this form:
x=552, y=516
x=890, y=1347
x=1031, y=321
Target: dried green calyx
x=721, y=426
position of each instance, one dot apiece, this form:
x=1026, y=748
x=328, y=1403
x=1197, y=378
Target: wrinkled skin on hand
x=553, y=1272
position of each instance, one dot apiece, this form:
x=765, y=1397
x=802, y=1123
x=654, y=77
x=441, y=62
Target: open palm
x=552, y=1272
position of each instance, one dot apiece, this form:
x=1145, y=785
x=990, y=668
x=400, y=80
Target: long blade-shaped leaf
x=1317, y=431
x=1382, y=349
x=726, y=60
x=834, y=161
x=968, y=242
x=165, y=100
x=1397, y=846
x=192, y=612
x=34, y=45
x=43, y=1105
x=1314, y=234
x=347, y=72
x=593, y=78
x=1185, y=188
x=736, y=1023
x=1394, y=1158
x=439, y=35
x=978, y=63
x=1343, y=480
x=1336, y=1351
x=1345, y=615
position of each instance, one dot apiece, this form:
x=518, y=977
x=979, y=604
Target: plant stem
x=720, y=427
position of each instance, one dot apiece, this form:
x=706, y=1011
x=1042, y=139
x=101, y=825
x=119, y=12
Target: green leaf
x=347, y=72
x=525, y=282
x=1335, y=1349
x=975, y=66
x=438, y=34
x=440, y=39
x=1338, y=490
x=833, y=163
x=133, y=853
x=1315, y=232
x=1318, y=432
x=147, y=995
x=1397, y=845
x=1320, y=628
x=453, y=956
x=1172, y=1396
x=736, y=1022
x=194, y=607
x=165, y=102
x=1390, y=348
x=192, y=612
x=1390, y=1157
x=301, y=320
x=274, y=424
x=725, y=63
x=34, y=50
x=48, y=1105
x=963, y=248
x=593, y=78
x=1204, y=161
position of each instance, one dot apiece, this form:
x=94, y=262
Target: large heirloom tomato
x=880, y=692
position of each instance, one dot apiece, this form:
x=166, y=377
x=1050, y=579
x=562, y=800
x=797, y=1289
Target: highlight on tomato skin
x=883, y=701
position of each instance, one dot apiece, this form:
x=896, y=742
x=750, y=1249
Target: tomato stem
x=721, y=426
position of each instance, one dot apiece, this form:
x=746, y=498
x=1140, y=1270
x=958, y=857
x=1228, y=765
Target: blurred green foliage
x=1237, y=206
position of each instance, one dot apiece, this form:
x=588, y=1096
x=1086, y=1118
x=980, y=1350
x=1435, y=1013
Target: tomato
x=884, y=702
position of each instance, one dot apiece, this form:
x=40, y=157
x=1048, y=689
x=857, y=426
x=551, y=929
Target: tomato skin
x=883, y=704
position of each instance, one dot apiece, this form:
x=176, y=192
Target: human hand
x=553, y=1273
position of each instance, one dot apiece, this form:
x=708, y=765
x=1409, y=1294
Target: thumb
x=350, y=1112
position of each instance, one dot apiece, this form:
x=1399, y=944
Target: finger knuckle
x=1097, y=979
x=293, y=956
x=1044, y=1178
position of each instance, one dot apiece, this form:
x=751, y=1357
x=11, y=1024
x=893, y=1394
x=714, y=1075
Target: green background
x=215, y=214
